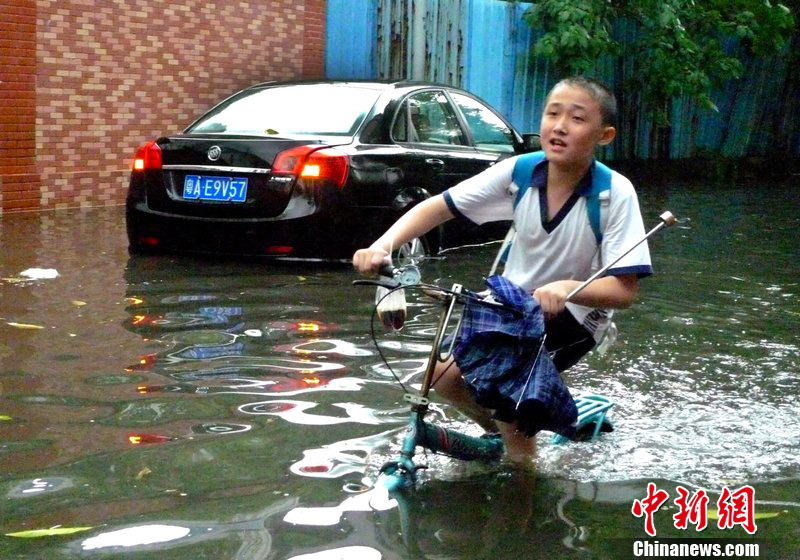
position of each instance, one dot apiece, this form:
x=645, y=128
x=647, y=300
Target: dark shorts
x=567, y=340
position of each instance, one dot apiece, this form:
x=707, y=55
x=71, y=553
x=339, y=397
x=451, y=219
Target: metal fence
x=485, y=47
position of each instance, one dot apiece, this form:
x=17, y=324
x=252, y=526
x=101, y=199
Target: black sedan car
x=311, y=170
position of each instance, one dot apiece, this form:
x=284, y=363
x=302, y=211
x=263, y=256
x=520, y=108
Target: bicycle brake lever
x=389, y=284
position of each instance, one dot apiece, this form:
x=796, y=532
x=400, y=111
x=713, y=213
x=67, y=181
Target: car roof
x=375, y=84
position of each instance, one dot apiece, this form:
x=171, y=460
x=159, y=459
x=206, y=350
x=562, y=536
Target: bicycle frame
x=399, y=475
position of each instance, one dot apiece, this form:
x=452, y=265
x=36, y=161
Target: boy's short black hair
x=599, y=92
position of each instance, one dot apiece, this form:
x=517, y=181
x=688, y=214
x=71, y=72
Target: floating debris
x=24, y=325
x=39, y=273
x=52, y=532
x=143, y=473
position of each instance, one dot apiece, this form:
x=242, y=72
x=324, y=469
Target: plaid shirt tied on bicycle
x=501, y=355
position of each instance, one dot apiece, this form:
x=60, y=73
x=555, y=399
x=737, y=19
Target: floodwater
x=171, y=407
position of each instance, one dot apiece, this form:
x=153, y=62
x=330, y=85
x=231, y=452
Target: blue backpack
x=599, y=195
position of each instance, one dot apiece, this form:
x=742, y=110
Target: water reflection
x=218, y=428
x=250, y=384
x=340, y=458
x=180, y=533
x=505, y=514
x=28, y=488
x=295, y=412
x=349, y=552
x=375, y=499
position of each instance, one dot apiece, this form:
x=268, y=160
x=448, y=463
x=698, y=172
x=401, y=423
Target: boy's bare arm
x=609, y=292
x=415, y=223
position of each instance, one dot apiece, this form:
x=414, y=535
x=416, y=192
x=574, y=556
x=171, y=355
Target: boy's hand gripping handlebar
x=392, y=277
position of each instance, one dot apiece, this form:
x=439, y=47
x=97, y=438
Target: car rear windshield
x=308, y=109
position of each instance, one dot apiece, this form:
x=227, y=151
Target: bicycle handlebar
x=370, y=282
x=438, y=293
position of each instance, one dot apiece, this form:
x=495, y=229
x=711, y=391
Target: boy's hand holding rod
x=667, y=219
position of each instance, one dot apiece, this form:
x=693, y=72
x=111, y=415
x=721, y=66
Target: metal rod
x=435, y=355
x=503, y=248
x=667, y=219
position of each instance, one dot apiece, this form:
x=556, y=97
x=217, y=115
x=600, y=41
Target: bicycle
x=398, y=475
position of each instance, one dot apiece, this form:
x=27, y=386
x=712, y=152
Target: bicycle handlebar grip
x=405, y=275
x=387, y=270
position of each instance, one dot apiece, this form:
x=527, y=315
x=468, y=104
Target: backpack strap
x=522, y=175
x=598, y=200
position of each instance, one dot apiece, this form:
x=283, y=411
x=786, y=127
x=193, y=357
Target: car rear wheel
x=410, y=252
x=134, y=247
x=137, y=244
x=140, y=249
x=415, y=250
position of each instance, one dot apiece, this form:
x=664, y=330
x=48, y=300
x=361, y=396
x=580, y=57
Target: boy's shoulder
x=621, y=184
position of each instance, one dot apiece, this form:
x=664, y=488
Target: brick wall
x=19, y=179
x=85, y=82
x=314, y=26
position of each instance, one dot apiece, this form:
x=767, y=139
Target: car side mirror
x=531, y=142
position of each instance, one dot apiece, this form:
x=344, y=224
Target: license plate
x=222, y=189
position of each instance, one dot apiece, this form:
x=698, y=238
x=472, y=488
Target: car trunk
x=237, y=182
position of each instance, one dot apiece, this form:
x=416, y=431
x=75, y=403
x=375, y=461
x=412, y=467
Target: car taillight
x=279, y=250
x=313, y=162
x=147, y=157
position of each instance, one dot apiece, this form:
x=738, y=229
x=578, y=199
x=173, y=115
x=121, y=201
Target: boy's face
x=572, y=126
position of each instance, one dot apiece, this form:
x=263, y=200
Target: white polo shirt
x=564, y=248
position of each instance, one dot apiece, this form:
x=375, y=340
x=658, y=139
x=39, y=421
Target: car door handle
x=435, y=162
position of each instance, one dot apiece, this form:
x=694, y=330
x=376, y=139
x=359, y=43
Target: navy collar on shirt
x=539, y=182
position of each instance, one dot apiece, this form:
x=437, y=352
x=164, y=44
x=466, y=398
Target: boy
x=555, y=248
